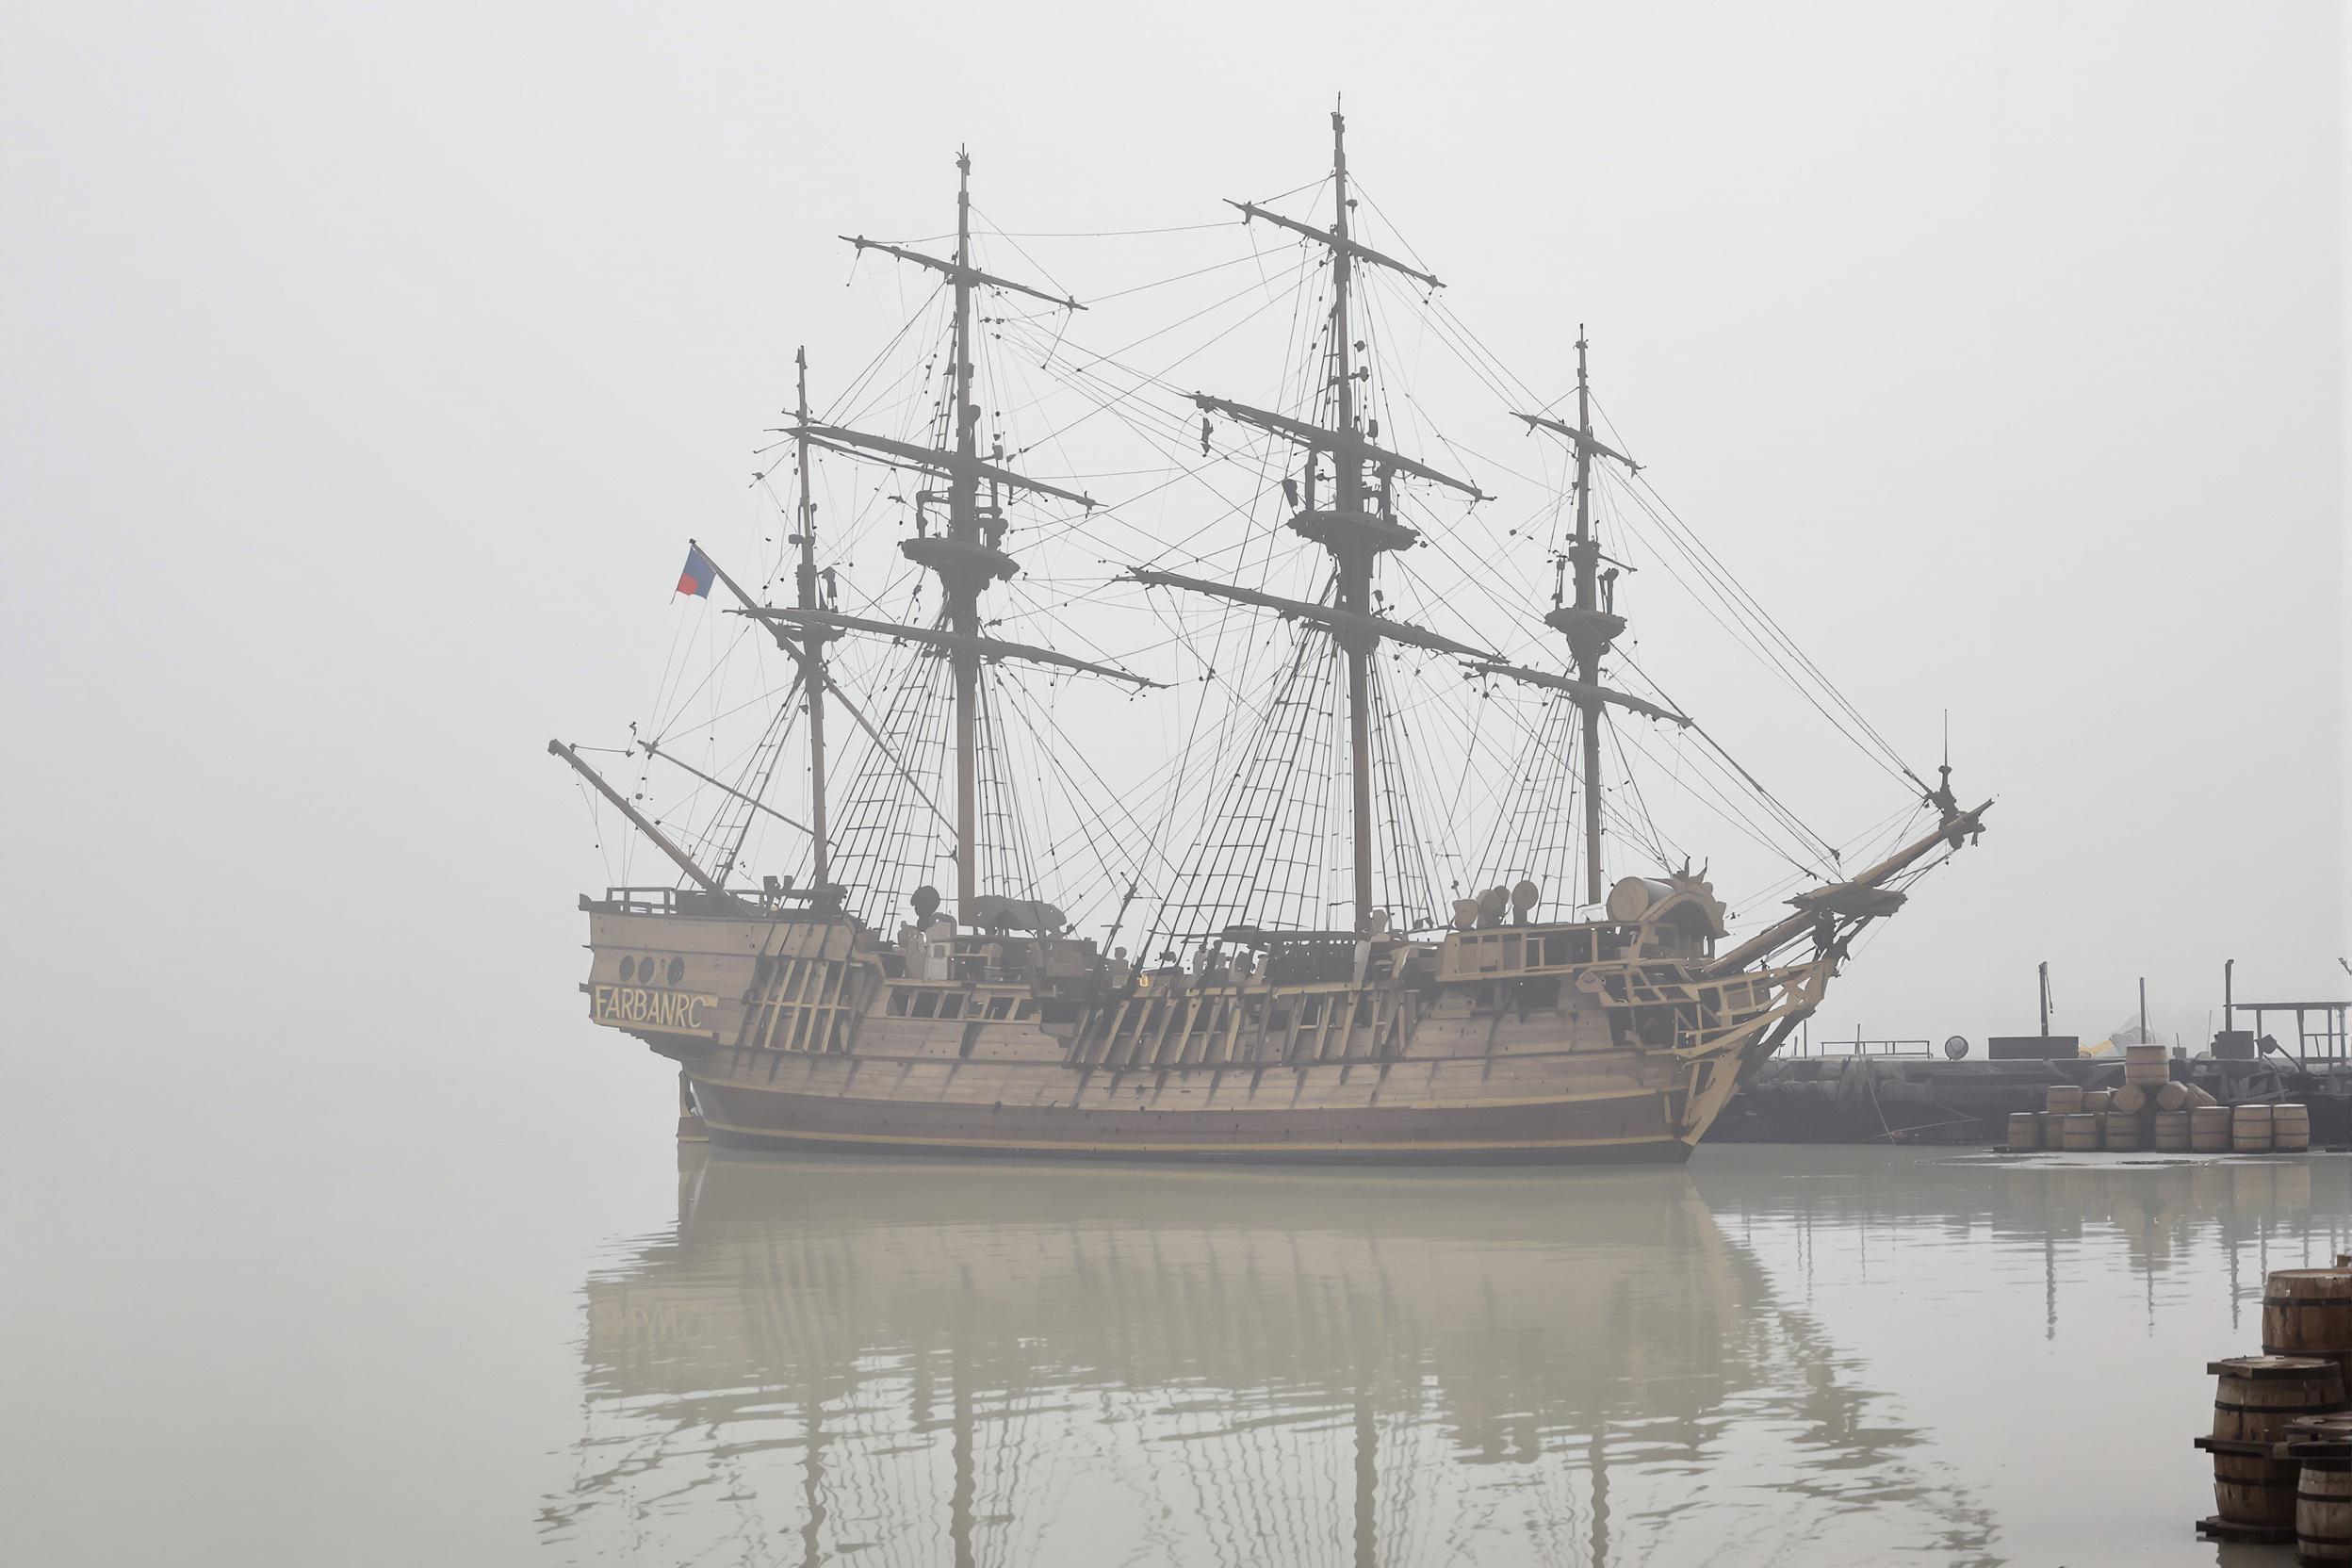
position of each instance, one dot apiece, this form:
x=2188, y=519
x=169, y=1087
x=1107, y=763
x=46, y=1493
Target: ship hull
x=1496, y=1047
x=1629, y=1130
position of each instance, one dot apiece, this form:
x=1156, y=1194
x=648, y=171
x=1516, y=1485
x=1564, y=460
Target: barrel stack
x=2255, y=1400
x=2150, y=1111
x=2282, y=1439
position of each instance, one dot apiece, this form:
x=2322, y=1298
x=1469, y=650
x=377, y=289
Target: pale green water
x=555, y=1351
x=1804, y=1355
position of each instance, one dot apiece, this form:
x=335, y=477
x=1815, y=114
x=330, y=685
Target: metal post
x=2045, y=978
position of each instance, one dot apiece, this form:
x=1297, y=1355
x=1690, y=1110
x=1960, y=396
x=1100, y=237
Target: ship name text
x=634, y=1007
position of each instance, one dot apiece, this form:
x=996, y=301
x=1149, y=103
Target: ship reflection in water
x=1777, y=1354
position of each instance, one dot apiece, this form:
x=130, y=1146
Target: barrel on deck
x=2121, y=1129
x=2291, y=1128
x=2171, y=1130
x=2097, y=1101
x=2062, y=1099
x=2079, y=1131
x=2209, y=1128
x=2308, y=1311
x=2025, y=1130
x=2323, y=1506
x=2254, y=1400
x=2147, y=1064
x=2130, y=1100
x=2183, y=1097
x=2249, y=1129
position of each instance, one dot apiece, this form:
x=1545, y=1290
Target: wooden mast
x=1590, y=626
x=963, y=592
x=966, y=556
x=643, y=824
x=1355, y=566
x=1358, y=522
x=811, y=646
x=1588, y=653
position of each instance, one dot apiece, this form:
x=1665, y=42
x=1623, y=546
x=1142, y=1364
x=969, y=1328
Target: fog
x=367, y=369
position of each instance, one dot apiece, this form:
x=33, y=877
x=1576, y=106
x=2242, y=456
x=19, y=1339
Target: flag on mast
x=699, y=573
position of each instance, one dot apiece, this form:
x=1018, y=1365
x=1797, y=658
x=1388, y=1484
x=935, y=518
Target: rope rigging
x=1246, y=816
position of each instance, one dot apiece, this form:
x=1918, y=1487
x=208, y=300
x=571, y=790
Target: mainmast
x=1588, y=653
x=1358, y=525
x=811, y=646
x=1355, y=567
x=962, y=587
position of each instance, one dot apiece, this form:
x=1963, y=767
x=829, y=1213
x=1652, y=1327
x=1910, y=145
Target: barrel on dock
x=2079, y=1131
x=2097, y=1101
x=2208, y=1129
x=2323, y=1504
x=2254, y=1401
x=2130, y=1100
x=2025, y=1130
x=2183, y=1097
x=2308, y=1311
x=2290, y=1128
x=2249, y=1129
x=2319, y=1432
x=2147, y=1065
x=2062, y=1099
x=2121, y=1129
x=2171, y=1130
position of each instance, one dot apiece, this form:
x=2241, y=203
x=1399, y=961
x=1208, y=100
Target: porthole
x=629, y=970
x=678, y=970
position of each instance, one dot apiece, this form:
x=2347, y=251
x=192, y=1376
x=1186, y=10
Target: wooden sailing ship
x=808, y=1012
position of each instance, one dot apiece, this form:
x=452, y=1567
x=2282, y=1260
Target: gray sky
x=365, y=371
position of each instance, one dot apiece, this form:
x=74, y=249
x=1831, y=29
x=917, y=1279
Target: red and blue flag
x=699, y=573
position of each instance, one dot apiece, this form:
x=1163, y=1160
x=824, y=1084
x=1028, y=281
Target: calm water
x=1815, y=1356
x=1825, y=1356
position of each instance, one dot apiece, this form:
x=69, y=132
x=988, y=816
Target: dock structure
x=1888, y=1098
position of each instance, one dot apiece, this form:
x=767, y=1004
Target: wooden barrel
x=2025, y=1130
x=2319, y=1429
x=2121, y=1131
x=2079, y=1131
x=2171, y=1130
x=2209, y=1128
x=2254, y=1401
x=2099, y=1101
x=2249, y=1129
x=2173, y=1097
x=2290, y=1127
x=2198, y=1097
x=2323, y=1506
x=2130, y=1100
x=2147, y=1064
x=2063, y=1098
x=2308, y=1311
